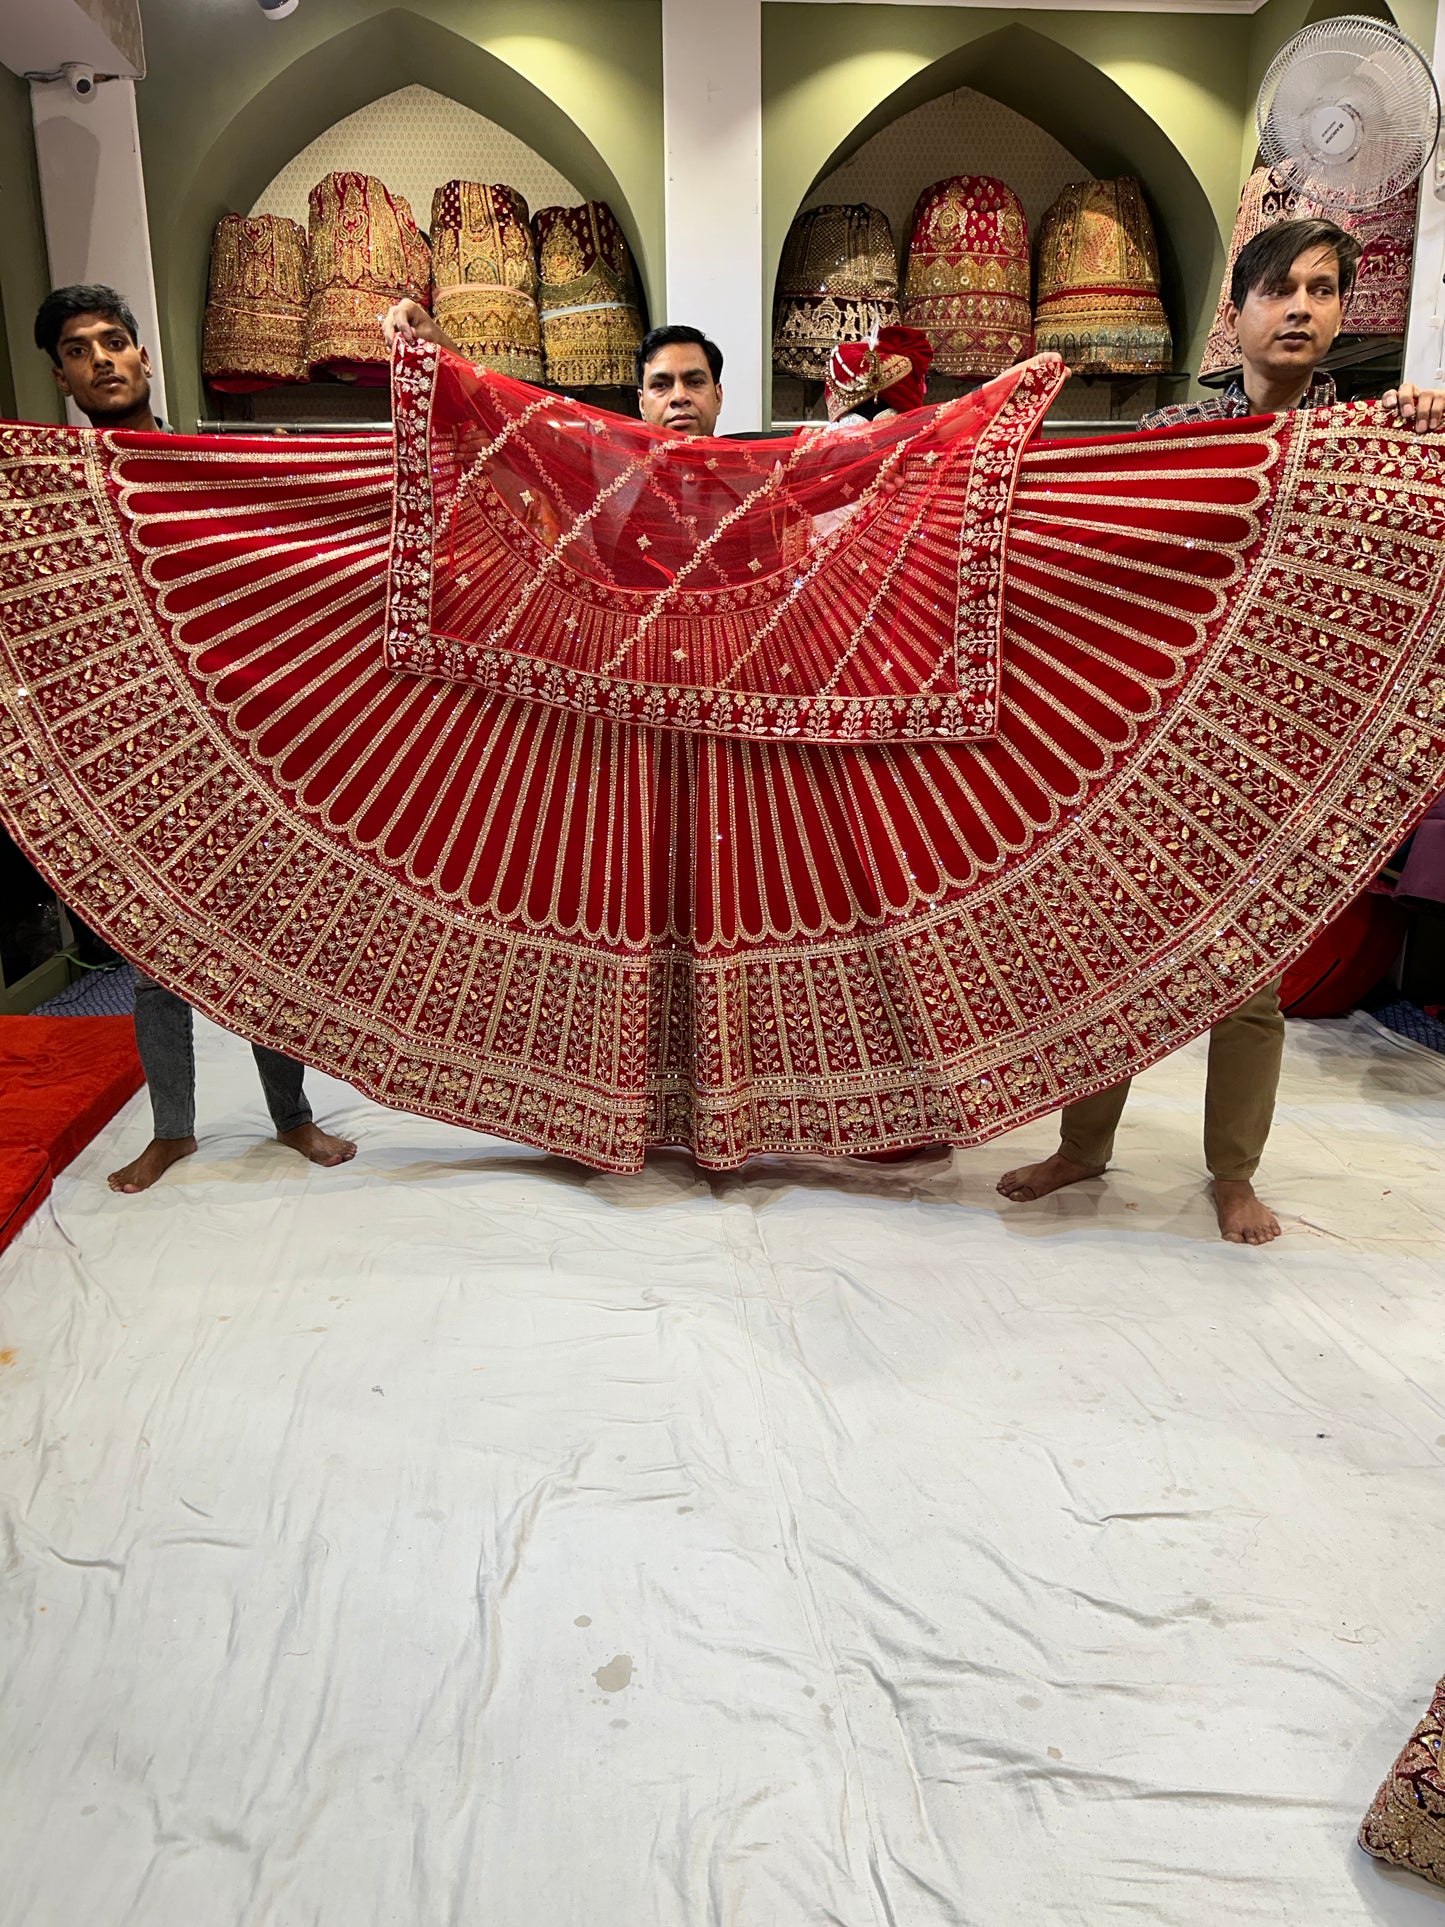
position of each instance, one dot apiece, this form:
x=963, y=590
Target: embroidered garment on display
x=695, y=887
x=363, y=253
x=1406, y=1821
x=484, y=269
x=1379, y=303
x=591, y=322
x=967, y=285
x=837, y=281
x=774, y=589
x=255, y=333
x=1098, y=301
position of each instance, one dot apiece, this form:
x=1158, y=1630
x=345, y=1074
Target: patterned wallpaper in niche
x=959, y=133
x=414, y=140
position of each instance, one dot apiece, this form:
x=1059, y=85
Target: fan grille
x=1349, y=113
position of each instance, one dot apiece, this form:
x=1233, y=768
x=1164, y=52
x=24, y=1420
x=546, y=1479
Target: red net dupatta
x=833, y=589
x=1221, y=703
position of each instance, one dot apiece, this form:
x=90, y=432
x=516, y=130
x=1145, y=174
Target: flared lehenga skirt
x=1215, y=699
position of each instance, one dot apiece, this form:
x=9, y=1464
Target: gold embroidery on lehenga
x=1001, y=947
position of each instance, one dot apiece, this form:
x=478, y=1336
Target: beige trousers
x=1239, y=1093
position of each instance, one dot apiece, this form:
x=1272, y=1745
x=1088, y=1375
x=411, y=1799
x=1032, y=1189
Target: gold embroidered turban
x=364, y=252
x=255, y=333
x=591, y=322
x=1380, y=301
x=1098, y=302
x=484, y=277
x=967, y=285
x=837, y=282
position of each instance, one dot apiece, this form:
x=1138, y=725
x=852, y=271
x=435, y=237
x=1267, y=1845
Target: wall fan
x=1349, y=113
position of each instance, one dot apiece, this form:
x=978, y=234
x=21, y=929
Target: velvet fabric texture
x=61, y=1079
x=575, y=888
x=255, y=332
x=967, y=283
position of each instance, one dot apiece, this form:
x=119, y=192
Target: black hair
x=85, y=297
x=679, y=335
x=1268, y=258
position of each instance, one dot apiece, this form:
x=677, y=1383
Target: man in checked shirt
x=1286, y=303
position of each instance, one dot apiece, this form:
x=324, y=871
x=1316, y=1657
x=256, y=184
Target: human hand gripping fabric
x=410, y=321
x=1422, y=409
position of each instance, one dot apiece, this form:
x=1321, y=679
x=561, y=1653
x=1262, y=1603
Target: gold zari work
x=364, y=253
x=1222, y=703
x=1379, y=303
x=484, y=277
x=1406, y=1821
x=1098, y=299
x=967, y=285
x=591, y=321
x=837, y=281
x=255, y=332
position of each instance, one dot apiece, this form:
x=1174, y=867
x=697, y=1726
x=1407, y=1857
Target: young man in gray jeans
x=91, y=337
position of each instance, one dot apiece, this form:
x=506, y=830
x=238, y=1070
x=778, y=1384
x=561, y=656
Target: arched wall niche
x=414, y=139
x=1160, y=96
x=1089, y=114
x=330, y=79
x=963, y=132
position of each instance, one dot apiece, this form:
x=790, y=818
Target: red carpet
x=61, y=1079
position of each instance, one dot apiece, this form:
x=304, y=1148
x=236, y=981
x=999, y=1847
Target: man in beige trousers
x=1287, y=296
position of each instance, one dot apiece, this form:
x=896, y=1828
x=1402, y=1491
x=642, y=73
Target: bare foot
x=1244, y=1219
x=318, y=1145
x=1032, y=1181
x=158, y=1157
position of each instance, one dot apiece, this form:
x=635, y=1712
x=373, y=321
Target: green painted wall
x=1157, y=96
x=230, y=97
x=27, y=390
x=1166, y=97
x=1277, y=20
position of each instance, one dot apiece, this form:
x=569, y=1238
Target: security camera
x=276, y=9
x=79, y=78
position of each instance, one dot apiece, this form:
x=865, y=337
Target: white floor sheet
x=463, y=1539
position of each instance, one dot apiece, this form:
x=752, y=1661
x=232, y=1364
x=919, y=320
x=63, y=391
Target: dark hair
x=1268, y=258
x=679, y=335
x=86, y=297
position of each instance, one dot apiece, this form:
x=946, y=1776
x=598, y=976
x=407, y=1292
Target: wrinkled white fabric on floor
x=465, y=1537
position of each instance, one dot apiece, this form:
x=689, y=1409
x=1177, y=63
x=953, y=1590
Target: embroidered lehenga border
x=798, y=589
x=1221, y=702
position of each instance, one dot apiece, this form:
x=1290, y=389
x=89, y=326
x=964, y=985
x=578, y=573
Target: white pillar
x=712, y=120
x=1425, y=332
x=92, y=193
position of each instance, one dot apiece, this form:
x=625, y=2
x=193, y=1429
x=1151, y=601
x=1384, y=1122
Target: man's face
x=678, y=392
x=1288, y=328
x=101, y=368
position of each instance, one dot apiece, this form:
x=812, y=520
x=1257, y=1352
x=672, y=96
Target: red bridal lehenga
x=890, y=787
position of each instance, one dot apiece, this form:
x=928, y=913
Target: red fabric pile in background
x=61, y=1079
